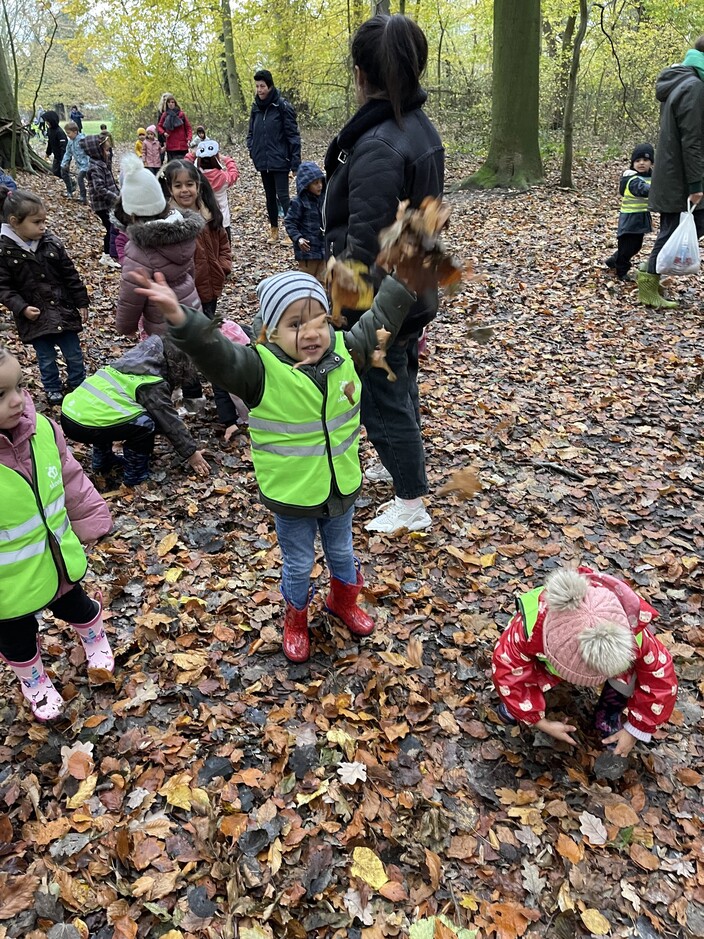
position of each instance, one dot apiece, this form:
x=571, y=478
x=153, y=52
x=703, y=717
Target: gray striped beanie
x=278, y=292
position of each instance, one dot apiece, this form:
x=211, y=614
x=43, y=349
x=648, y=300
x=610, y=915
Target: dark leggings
x=18, y=637
x=104, y=216
x=276, y=187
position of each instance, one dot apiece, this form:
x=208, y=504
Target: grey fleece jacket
x=153, y=356
x=239, y=370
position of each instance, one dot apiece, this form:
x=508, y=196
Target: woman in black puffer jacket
x=387, y=152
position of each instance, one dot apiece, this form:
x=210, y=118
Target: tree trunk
x=514, y=153
x=568, y=126
x=14, y=140
x=238, y=108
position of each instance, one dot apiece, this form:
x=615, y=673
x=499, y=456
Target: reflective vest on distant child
x=631, y=203
x=107, y=399
x=302, y=438
x=35, y=531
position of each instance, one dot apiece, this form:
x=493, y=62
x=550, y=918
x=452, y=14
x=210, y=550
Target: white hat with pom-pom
x=140, y=192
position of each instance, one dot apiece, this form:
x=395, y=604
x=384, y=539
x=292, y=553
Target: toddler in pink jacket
x=49, y=508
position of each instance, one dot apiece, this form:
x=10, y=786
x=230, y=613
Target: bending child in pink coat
x=49, y=508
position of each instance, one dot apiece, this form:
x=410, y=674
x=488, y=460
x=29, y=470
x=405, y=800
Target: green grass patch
x=93, y=127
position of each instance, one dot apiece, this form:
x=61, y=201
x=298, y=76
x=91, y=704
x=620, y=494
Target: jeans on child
x=45, y=347
x=297, y=542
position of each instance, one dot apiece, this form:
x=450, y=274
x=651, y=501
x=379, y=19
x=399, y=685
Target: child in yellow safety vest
x=634, y=220
x=301, y=383
x=588, y=629
x=49, y=507
x=129, y=401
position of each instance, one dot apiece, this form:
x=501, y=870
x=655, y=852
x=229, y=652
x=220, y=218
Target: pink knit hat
x=587, y=636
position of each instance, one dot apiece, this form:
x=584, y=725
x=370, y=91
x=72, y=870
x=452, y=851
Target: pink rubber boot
x=37, y=688
x=95, y=642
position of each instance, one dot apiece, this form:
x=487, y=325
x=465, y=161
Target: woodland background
x=214, y=790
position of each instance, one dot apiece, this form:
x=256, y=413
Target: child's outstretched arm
x=388, y=311
x=160, y=294
x=237, y=369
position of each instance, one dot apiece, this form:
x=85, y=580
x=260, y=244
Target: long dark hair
x=392, y=51
x=206, y=196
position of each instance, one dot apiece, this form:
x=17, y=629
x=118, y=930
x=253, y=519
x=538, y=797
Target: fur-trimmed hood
x=167, y=231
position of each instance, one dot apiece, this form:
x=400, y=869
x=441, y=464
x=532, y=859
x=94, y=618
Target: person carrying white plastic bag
x=680, y=253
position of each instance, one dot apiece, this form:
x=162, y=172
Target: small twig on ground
x=563, y=470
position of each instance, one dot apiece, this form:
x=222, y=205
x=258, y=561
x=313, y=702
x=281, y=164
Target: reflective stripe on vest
x=107, y=398
x=527, y=605
x=631, y=203
x=34, y=519
x=295, y=459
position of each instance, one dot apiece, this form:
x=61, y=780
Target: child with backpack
x=50, y=509
x=221, y=172
x=102, y=188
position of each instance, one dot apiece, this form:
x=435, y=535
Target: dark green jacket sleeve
x=237, y=369
x=389, y=310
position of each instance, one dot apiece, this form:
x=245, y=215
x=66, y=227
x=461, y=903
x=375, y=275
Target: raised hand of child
x=624, y=741
x=197, y=462
x=32, y=312
x=557, y=729
x=159, y=292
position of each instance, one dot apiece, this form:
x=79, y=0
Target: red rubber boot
x=342, y=602
x=296, y=637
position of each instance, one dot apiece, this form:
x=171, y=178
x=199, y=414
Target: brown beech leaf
x=464, y=482
x=17, y=894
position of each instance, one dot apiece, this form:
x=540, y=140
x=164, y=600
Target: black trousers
x=18, y=637
x=137, y=434
x=629, y=245
x=276, y=187
x=668, y=223
x=104, y=216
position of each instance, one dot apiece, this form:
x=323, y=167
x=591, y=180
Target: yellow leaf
x=338, y=736
x=178, y=791
x=304, y=798
x=83, y=793
x=488, y=559
x=368, y=867
x=166, y=544
x=171, y=576
x=469, y=902
x=172, y=934
x=597, y=924
x=200, y=798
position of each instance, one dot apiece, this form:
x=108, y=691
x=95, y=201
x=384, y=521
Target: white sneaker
x=398, y=517
x=378, y=473
x=107, y=261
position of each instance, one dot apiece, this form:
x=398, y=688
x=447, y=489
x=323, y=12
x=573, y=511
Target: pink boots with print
x=38, y=689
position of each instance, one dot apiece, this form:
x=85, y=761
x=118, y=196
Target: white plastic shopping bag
x=680, y=253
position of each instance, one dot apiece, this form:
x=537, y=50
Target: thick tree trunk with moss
x=514, y=159
x=14, y=146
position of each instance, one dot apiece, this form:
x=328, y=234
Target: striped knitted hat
x=278, y=292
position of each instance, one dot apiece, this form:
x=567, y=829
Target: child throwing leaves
x=49, y=508
x=588, y=629
x=302, y=386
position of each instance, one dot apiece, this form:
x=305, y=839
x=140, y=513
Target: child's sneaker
x=378, y=473
x=609, y=708
x=504, y=716
x=107, y=261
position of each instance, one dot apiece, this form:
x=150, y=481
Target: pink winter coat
x=87, y=511
x=220, y=179
x=165, y=245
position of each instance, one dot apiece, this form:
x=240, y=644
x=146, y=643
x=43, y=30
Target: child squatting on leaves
x=49, y=508
x=301, y=384
x=588, y=629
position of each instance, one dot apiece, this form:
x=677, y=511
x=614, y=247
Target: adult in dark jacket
x=387, y=152
x=56, y=142
x=679, y=173
x=77, y=117
x=274, y=144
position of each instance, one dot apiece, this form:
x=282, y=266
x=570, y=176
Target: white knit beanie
x=141, y=192
x=278, y=292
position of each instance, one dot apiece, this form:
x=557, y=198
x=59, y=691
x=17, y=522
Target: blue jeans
x=391, y=415
x=45, y=347
x=297, y=542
